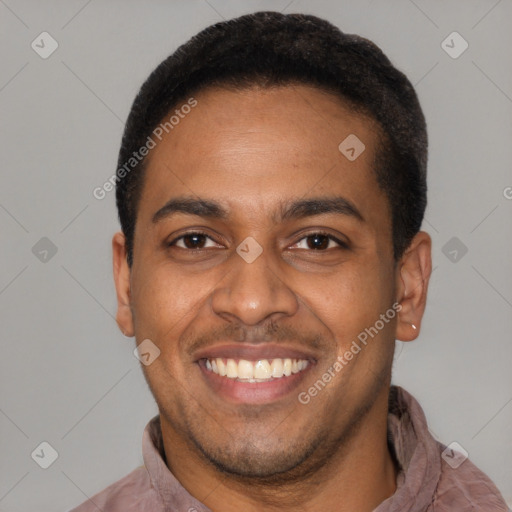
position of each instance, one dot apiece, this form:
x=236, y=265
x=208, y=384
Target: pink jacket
x=427, y=482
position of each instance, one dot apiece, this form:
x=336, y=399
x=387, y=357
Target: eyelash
x=191, y=233
x=341, y=244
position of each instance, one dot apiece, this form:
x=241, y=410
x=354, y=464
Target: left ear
x=415, y=267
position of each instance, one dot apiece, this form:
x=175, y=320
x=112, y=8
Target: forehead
x=253, y=147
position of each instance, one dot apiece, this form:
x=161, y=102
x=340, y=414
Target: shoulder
x=131, y=493
x=466, y=488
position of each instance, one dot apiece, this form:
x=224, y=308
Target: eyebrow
x=318, y=206
x=288, y=211
x=199, y=207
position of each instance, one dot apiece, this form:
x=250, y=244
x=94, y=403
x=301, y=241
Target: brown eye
x=320, y=242
x=193, y=241
x=317, y=242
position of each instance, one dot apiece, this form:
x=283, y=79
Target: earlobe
x=412, y=285
x=124, y=317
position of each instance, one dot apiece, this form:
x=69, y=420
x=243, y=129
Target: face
x=261, y=253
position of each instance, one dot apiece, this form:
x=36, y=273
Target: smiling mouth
x=259, y=371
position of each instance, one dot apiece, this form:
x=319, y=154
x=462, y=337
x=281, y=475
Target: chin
x=269, y=462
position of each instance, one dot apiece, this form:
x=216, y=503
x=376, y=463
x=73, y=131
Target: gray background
x=69, y=377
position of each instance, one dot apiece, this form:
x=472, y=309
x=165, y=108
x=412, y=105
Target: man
x=271, y=187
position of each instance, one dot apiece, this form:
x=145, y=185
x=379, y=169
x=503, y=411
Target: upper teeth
x=255, y=371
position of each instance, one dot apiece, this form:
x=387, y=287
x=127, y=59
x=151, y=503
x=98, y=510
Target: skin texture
x=253, y=152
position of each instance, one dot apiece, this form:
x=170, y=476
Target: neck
x=359, y=476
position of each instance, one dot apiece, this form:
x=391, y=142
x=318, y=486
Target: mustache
x=270, y=332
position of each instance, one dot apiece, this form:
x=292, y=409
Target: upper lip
x=253, y=352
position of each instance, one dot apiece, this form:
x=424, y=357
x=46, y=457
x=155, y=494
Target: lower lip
x=253, y=392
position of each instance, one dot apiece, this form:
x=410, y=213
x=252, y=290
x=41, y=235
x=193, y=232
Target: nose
x=252, y=293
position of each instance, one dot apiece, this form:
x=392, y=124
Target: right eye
x=193, y=241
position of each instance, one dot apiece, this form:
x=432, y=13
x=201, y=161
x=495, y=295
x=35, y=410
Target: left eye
x=318, y=242
x=194, y=241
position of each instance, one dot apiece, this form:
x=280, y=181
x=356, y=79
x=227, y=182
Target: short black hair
x=272, y=49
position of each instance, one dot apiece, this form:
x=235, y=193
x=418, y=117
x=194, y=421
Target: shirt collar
x=415, y=449
x=172, y=494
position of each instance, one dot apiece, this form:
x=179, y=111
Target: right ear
x=124, y=317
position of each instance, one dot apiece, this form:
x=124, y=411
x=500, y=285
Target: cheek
x=167, y=300
x=348, y=301
x=162, y=299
